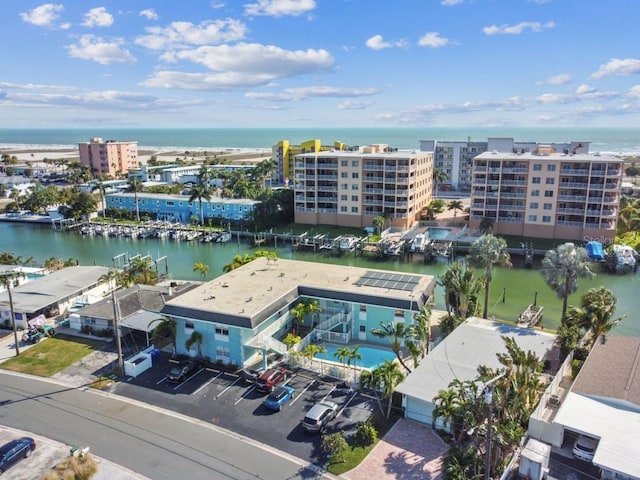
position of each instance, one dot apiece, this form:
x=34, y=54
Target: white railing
x=268, y=343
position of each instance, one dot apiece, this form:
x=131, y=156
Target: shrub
x=77, y=468
x=366, y=433
x=335, y=446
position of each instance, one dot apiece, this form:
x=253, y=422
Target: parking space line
x=344, y=407
x=302, y=392
x=161, y=380
x=223, y=391
x=209, y=382
x=327, y=395
x=187, y=379
x=244, y=395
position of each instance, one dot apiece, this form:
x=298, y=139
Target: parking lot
x=232, y=402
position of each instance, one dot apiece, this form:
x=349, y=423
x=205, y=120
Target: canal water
x=512, y=289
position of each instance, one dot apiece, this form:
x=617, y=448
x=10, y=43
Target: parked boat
x=348, y=243
x=622, y=259
x=419, y=242
x=224, y=237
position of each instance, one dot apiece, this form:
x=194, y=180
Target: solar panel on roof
x=390, y=280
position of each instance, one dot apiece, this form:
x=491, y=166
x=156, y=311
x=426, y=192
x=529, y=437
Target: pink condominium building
x=567, y=194
x=353, y=186
x=109, y=157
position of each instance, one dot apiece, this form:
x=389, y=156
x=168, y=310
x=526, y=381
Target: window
x=354, y=198
x=222, y=331
x=363, y=308
x=354, y=209
x=344, y=163
x=222, y=351
x=533, y=218
x=533, y=205
x=550, y=181
x=344, y=186
x=344, y=174
x=355, y=175
x=398, y=313
x=170, y=203
x=363, y=328
x=537, y=167
x=551, y=168
x=548, y=193
x=344, y=209
x=355, y=187
x=535, y=180
x=354, y=163
x=546, y=219
x=548, y=206
x=535, y=193
x=344, y=198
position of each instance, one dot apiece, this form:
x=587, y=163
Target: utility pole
x=488, y=399
x=116, y=326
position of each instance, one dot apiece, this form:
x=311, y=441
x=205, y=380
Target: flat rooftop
x=557, y=156
x=254, y=292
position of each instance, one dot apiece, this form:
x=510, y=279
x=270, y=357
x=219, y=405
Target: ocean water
x=614, y=140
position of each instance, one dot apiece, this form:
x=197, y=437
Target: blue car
x=279, y=397
x=14, y=451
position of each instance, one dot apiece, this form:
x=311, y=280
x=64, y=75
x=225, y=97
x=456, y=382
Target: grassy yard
x=52, y=355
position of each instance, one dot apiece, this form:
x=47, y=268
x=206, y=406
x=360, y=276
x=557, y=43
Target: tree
x=420, y=330
x=298, y=312
x=561, y=268
x=7, y=281
x=201, y=268
x=396, y=332
x=599, y=305
x=487, y=252
x=335, y=445
x=194, y=339
x=140, y=271
x=313, y=349
x=202, y=190
x=455, y=205
x=461, y=290
x=439, y=176
x=290, y=340
x=164, y=332
x=384, y=378
x=135, y=186
x=378, y=223
x=435, y=208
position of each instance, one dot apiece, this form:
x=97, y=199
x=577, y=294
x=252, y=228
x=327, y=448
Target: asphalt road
x=155, y=443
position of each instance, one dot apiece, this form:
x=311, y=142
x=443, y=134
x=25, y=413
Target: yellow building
x=351, y=187
x=109, y=157
x=283, y=153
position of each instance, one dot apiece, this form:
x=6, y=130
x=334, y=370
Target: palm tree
x=202, y=190
x=342, y=354
x=461, y=289
x=6, y=280
x=135, y=185
x=102, y=191
x=298, y=312
x=396, y=332
x=486, y=252
x=421, y=329
x=140, y=271
x=201, y=268
x=290, y=340
x=313, y=308
x=163, y=332
x=561, y=268
x=384, y=378
x=439, y=176
x=378, y=223
x=116, y=279
x=313, y=349
x=599, y=305
x=455, y=205
x=194, y=339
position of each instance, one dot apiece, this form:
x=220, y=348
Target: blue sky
x=320, y=63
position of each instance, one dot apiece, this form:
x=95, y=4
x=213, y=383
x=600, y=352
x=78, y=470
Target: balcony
x=573, y=198
x=510, y=220
x=572, y=211
x=512, y=208
x=580, y=185
x=514, y=182
x=574, y=171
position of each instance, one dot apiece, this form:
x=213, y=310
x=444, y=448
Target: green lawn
x=52, y=355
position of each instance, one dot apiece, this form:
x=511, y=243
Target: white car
x=585, y=448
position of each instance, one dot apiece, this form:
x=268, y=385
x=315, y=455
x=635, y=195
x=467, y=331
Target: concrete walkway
x=409, y=451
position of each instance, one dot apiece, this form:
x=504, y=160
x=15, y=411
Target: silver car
x=319, y=416
x=585, y=448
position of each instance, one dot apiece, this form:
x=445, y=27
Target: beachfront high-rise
x=109, y=157
x=455, y=158
x=566, y=194
x=351, y=187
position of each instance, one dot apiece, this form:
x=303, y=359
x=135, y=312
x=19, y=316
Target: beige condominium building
x=351, y=187
x=109, y=157
x=545, y=193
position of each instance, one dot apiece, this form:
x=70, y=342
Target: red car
x=270, y=379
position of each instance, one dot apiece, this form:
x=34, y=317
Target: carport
x=141, y=321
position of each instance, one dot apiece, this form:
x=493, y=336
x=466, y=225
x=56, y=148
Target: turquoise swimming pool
x=371, y=356
x=438, y=233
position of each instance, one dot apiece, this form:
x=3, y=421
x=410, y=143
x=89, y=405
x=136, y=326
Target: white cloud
x=433, y=40
x=90, y=47
x=352, y=105
x=584, y=89
x=618, y=66
x=279, y=8
x=44, y=15
x=182, y=34
x=560, y=79
x=32, y=86
x=98, y=17
x=149, y=14
x=216, y=5
x=518, y=28
x=449, y=3
x=633, y=91
x=239, y=66
x=64, y=26
x=302, y=93
x=377, y=43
